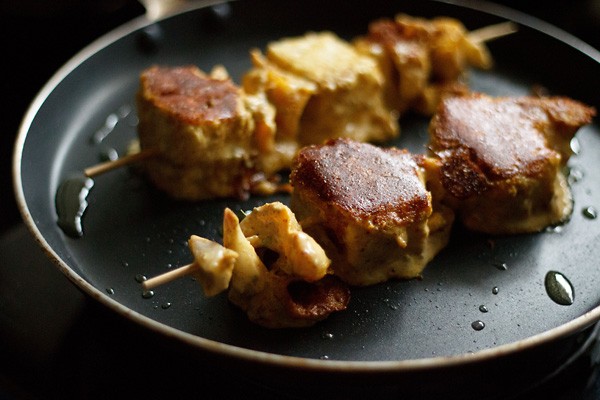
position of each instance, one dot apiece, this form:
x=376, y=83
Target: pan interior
x=132, y=230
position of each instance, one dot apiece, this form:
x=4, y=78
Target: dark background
x=82, y=351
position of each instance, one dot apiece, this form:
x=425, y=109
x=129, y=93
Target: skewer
x=492, y=32
x=101, y=168
x=169, y=276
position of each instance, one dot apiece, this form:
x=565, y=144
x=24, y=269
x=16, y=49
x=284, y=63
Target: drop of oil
x=108, y=154
x=106, y=129
x=501, y=266
x=139, y=278
x=478, y=325
x=575, y=145
x=590, y=212
x=559, y=288
x=554, y=229
x=110, y=291
x=164, y=306
x=149, y=40
x=483, y=308
x=495, y=290
x=575, y=175
x=147, y=294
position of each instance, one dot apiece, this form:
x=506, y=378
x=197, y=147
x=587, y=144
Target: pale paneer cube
x=341, y=90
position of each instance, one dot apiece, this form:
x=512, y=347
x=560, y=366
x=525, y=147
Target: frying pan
x=409, y=338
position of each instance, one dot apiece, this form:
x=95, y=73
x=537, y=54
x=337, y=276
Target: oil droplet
x=164, y=306
x=575, y=145
x=501, y=266
x=483, y=308
x=147, y=294
x=478, y=325
x=148, y=41
x=221, y=11
x=139, y=278
x=110, y=291
x=574, y=175
x=324, y=357
x=495, y=290
x=554, y=229
x=108, y=154
x=71, y=203
x=590, y=212
x=109, y=125
x=559, y=288
x=327, y=336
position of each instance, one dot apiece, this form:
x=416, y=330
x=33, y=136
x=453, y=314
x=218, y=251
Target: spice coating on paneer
x=423, y=60
x=201, y=129
x=502, y=159
x=333, y=90
x=370, y=209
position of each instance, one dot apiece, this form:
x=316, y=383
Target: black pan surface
x=131, y=229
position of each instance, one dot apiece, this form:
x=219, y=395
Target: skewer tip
x=168, y=276
x=492, y=32
x=101, y=168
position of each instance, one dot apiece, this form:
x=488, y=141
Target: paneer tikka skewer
x=217, y=139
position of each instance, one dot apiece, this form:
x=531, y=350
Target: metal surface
x=415, y=328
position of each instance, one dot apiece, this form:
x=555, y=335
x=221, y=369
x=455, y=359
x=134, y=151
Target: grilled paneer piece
x=202, y=129
x=423, y=60
x=502, y=159
x=370, y=208
x=322, y=88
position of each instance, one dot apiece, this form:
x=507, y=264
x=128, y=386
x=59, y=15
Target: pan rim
x=243, y=354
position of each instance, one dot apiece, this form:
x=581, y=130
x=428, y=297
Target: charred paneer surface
x=370, y=208
x=503, y=159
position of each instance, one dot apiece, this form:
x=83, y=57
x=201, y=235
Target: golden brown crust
x=502, y=159
x=189, y=95
x=483, y=140
x=371, y=209
x=202, y=130
x=348, y=175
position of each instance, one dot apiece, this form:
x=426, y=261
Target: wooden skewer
x=169, y=276
x=119, y=162
x=492, y=32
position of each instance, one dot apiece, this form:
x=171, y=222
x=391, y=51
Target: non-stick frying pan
x=480, y=322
